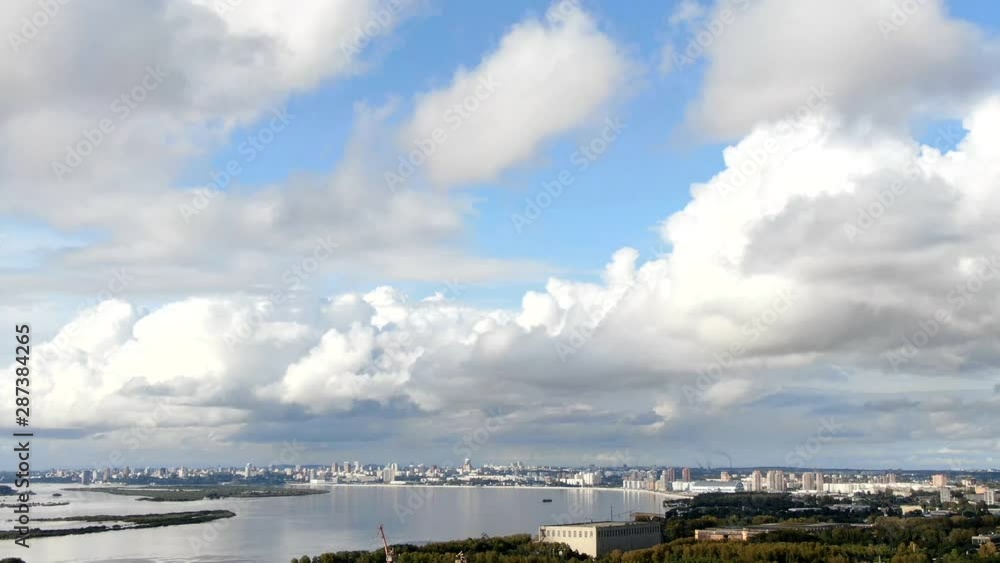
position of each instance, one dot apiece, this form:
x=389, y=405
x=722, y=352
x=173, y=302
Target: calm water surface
x=276, y=529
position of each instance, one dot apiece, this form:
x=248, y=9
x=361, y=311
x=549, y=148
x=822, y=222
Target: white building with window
x=698, y=487
x=599, y=538
x=585, y=479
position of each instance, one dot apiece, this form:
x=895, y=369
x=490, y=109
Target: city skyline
x=679, y=472
x=817, y=482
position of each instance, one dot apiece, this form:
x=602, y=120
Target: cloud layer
x=765, y=58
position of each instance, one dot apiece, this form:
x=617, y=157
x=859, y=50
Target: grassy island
x=109, y=523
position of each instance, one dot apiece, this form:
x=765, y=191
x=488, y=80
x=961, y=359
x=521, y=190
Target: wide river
x=274, y=530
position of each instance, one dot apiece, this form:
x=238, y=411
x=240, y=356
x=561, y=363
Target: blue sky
x=618, y=201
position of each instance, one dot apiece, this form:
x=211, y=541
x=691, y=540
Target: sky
x=571, y=232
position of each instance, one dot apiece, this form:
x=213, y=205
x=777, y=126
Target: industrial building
x=599, y=538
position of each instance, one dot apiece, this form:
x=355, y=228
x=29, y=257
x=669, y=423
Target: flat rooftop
x=605, y=524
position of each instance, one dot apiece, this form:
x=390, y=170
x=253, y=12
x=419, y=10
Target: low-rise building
x=744, y=533
x=599, y=538
x=726, y=534
x=698, y=487
x=985, y=538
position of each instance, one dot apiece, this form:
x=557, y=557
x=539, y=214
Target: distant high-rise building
x=808, y=481
x=725, y=476
x=671, y=474
x=85, y=477
x=756, y=481
x=945, y=494
x=939, y=480
x=818, y=480
x=776, y=481
x=891, y=478
x=467, y=466
x=686, y=474
x=990, y=497
x=389, y=472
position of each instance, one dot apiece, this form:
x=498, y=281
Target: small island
x=32, y=504
x=185, y=494
x=109, y=523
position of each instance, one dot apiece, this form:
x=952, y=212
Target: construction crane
x=390, y=555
